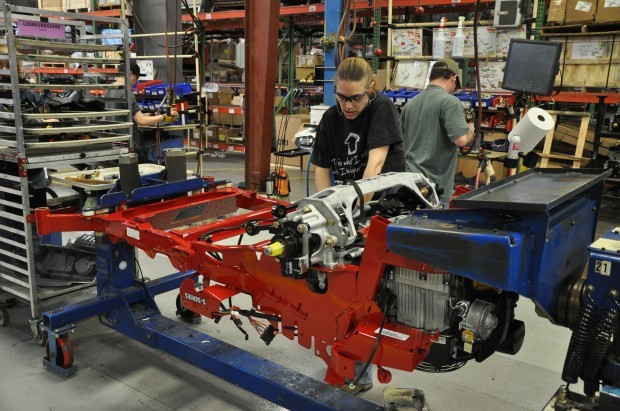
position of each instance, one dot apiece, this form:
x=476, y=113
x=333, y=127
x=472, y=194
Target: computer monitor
x=531, y=66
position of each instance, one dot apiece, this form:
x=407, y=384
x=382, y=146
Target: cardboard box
x=212, y=133
x=580, y=11
x=237, y=100
x=224, y=97
x=76, y=4
x=222, y=134
x=557, y=11
x=51, y=5
x=311, y=60
x=213, y=99
x=226, y=118
x=608, y=10
x=302, y=73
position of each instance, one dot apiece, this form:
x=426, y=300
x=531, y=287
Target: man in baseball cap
x=133, y=68
x=434, y=126
x=450, y=66
x=140, y=119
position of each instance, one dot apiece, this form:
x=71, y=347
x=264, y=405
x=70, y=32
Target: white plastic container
x=439, y=44
x=458, y=42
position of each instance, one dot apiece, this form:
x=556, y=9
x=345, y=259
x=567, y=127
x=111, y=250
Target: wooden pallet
x=577, y=158
x=52, y=65
x=80, y=10
x=109, y=6
x=568, y=29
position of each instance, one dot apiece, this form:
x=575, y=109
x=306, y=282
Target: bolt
x=307, y=210
x=590, y=288
x=613, y=294
x=562, y=395
x=276, y=224
x=301, y=228
x=330, y=241
x=330, y=222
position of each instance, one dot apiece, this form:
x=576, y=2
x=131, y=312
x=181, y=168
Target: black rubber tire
x=184, y=313
x=4, y=317
x=41, y=338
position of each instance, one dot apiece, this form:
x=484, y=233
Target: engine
x=473, y=320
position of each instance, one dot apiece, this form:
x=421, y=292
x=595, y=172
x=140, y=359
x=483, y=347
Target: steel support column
x=261, y=55
x=333, y=14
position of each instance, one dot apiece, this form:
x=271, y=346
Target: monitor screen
x=531, y=66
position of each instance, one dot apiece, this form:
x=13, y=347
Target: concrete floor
x=117, y=373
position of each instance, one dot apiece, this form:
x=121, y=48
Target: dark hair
x=440, y=73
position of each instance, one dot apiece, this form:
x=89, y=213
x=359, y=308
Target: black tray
x=538, y=189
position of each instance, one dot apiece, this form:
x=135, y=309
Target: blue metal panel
x=333, y=14
x=530, y=253
x=604, y=268
x=166, y=189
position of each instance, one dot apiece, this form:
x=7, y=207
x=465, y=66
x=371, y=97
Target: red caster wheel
x=64, y=352
x=383, y=375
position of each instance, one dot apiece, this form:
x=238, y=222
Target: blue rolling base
x=132, y=311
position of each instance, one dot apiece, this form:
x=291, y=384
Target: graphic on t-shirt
x=352, y=141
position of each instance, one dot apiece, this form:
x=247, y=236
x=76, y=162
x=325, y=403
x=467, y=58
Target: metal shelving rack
x=26, y=147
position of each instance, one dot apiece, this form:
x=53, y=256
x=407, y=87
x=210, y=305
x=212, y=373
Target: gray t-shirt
x=431, y=122
x=119, y=105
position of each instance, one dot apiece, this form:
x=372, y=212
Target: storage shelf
x=581, y=97
x=227, y=109
x=237, y=148
x=314, y=9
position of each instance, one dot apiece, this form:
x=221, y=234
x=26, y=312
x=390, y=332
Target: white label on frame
x=393, y=334
x=133, y=233
x=603, y=267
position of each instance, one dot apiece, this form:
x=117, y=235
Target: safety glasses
x=354, y=99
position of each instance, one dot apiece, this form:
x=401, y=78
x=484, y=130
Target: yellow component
x=274, y=249
x=484, y=287
x=467, y=336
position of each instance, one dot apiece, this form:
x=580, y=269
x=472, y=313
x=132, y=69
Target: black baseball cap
x=133, y=67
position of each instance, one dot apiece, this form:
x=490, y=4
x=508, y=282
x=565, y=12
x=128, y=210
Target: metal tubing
x=55, y=319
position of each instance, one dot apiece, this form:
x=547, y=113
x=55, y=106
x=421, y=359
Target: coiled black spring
x=602, y=340
x=579, y=342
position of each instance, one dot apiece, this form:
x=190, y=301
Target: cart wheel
x=383, y=375
x=64, y=352
x=41, y=338
x=4, y=317
x=184, y=313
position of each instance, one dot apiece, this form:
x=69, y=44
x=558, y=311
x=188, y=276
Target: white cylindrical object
x=532, y=128
x=240, y=54
x=316, y=113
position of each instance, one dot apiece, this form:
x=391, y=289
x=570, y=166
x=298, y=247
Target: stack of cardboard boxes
x=587, y=61
x=583, y=11
x=305, y=67
x=226, y=117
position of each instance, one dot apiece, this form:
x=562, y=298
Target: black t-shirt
x=343, y=145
